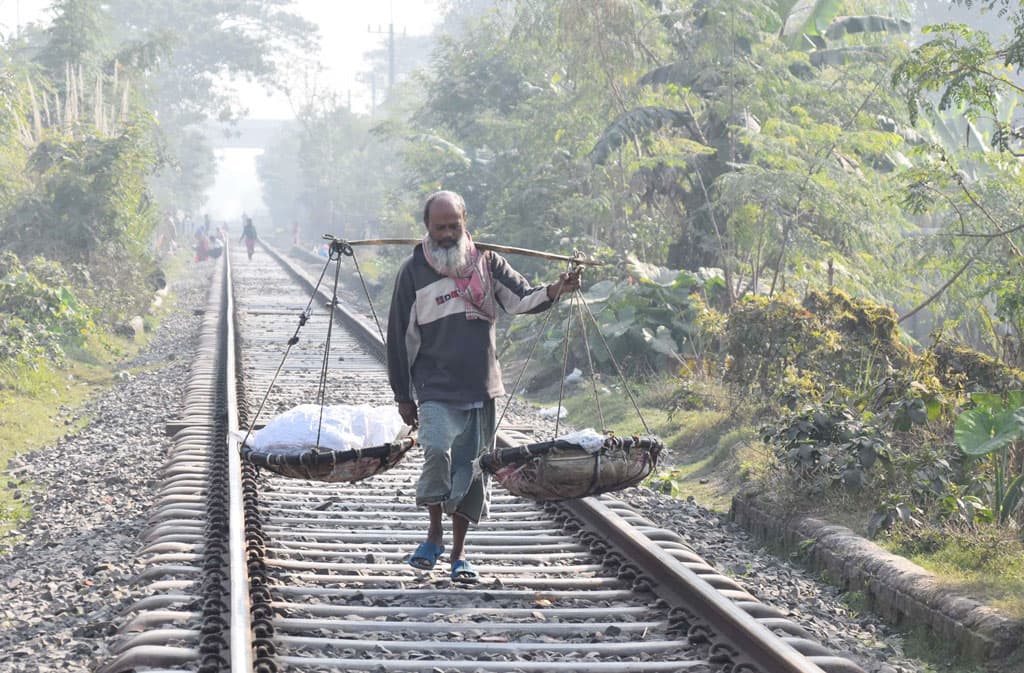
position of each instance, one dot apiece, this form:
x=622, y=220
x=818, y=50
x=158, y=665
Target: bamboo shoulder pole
x=483, y=246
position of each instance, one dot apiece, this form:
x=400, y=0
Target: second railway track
x=250, y=571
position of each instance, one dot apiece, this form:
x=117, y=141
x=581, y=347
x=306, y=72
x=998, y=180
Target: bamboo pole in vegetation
x=69, y=96
x=37, y=124
x=97, y=105
x=46, y=109
x=23, y=129
x=112, y=113
x=124, y=101
x=80, y=107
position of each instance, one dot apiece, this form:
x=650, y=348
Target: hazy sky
x=344, y=38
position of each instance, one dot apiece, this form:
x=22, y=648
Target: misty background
x=350, y=60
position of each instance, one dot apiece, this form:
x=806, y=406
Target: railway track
x=249, y=571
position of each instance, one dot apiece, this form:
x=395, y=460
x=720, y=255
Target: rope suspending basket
x=330, y=443
x=582, y=463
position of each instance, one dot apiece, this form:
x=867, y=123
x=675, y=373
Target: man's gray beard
x=450, y=261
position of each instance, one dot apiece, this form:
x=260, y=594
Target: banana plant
x=992, y=427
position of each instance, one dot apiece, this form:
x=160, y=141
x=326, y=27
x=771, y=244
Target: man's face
x=445, y=223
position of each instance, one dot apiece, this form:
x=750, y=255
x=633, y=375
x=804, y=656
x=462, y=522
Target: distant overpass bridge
x=247, y=133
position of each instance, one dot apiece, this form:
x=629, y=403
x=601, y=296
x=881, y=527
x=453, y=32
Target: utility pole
x=391, y=45
x=391, y=57
x=390, y=32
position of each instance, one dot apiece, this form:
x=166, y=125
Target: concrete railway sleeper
x=247, y=571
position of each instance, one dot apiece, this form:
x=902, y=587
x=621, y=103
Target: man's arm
x=400, y=318
x=516, y=295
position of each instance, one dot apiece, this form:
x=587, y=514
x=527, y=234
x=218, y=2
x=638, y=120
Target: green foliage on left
x=76, y=214
x=39, y=313
x=90, y=198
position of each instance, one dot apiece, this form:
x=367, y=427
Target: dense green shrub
x=90, y=195
x=967, y=370
x=828, y=340
x=764, y=338
x=39, y=313
x=827, y=444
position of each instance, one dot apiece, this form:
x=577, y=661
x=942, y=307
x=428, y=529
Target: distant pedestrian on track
x=248, y=235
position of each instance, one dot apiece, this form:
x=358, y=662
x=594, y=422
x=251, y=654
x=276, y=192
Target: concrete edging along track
x=900, y=591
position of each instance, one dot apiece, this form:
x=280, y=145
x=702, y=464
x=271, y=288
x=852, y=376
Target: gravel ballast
x=66, y=574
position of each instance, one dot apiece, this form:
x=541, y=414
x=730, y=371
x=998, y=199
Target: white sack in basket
x=342, y=427
x=589, y=439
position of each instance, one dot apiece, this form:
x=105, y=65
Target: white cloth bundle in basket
x=345, y=443
x=342, y=427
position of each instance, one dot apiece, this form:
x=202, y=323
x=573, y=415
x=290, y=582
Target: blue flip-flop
x=463, y=571
x=426, y=555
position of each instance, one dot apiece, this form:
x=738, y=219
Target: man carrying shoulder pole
x=443, y=367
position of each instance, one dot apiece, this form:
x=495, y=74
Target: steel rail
x=241, y=641
x=186, y=551
x=682, y=587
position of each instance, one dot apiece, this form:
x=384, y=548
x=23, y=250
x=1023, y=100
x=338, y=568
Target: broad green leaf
x=1015, y=399
x=994, y=402
x=651, y=272
x=636, y=123
x=685, y=280
x=616, y=329
x=979, y=432
x=599, y=291
x=807, y=17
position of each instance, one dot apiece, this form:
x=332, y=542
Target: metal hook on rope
x=303, y=319
x=339, y=247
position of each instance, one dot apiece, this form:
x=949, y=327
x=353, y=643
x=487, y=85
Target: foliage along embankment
x=841, y=403
x=101, y=159
x=815, y=403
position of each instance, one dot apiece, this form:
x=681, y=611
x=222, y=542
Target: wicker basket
x=561, y=470
x=320, y=464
